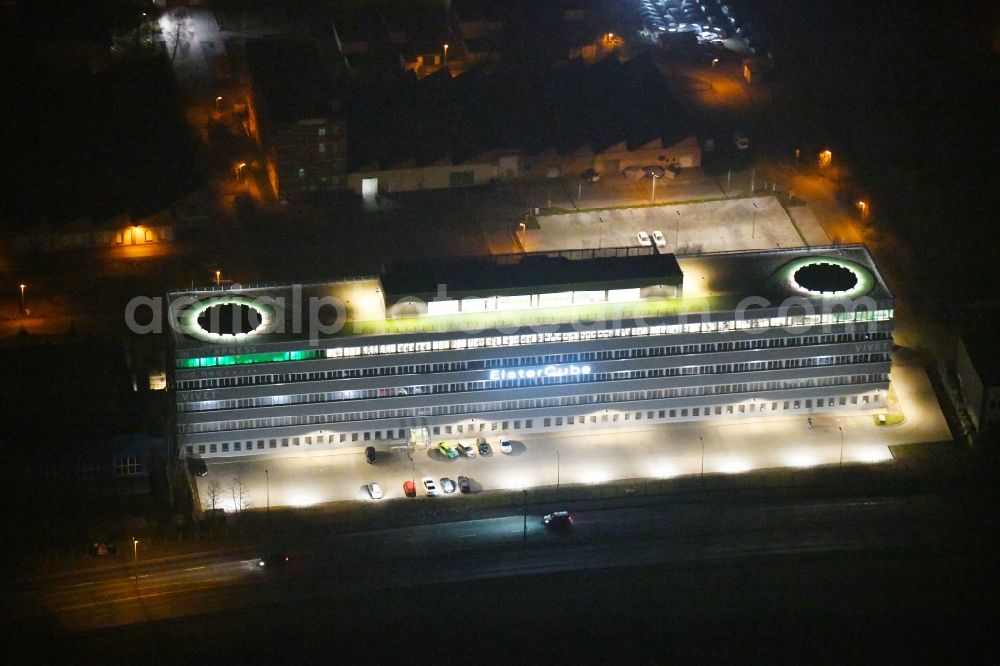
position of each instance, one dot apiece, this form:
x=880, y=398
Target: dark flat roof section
x=981, y=345
x=520, y=272
x=289, y=74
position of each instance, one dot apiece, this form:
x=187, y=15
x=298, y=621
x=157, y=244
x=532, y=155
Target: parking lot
x=712, y=226
x=716, y=24
x=587, y=456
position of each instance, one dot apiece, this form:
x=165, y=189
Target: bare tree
x=214, y=492
x=241, y=499
x=179, y=34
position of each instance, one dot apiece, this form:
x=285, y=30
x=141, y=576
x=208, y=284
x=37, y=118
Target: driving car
x=375, y=490
x=644, y=239
x=590, y=176
x=446, y=450
x=100, y=549
x=447, y=485
x=558, y=519
x=409, y=489
x=659, y=239
x=273, y=560
x=430, y=486
x=467, y=450
x=484, y=447
x=463, y=485
x=370, y=455
x=505, y=444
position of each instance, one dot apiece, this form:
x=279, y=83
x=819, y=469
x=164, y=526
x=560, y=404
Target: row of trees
x=216, y=493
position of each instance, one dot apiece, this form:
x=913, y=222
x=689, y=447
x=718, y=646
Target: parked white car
x=644, y=239
x=659, y=239
x=430, y=486
x=375, y=490
x=466, y=450
x=505, y=444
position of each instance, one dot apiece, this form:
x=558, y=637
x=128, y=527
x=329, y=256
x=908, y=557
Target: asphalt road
x=669, y=535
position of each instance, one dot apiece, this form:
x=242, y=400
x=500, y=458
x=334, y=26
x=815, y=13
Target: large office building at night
x=516, y=344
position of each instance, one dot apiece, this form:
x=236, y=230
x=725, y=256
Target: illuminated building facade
x=530, y=343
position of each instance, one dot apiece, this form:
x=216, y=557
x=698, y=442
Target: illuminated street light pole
x=841, y=429
x=135, y=562
x=22, y=287
x=863, y=207
x=239, y=170
x=218, y=278
x=524, y=532
x=218, y=104
x=446, y=55
x=557, y=472
x=702, y=456
x=267, y=491
x=653, y=196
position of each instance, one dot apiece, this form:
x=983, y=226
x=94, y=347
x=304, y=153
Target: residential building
x=295, y=116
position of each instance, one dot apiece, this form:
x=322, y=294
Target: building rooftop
x=981, y=345
x=527, y=108
x=714, y=285
x=518, y=273
x=289, y=79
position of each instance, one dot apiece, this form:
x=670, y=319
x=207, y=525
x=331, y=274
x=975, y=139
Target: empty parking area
x=712, y=226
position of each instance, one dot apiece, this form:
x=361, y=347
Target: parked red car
x=409, y=488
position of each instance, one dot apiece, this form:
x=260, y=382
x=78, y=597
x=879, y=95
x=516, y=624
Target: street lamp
x=267, y=491
x=218, y=103
x=239, y=170
x=135, y=561
x=23, y=287
x=218, y=278
x=653, y=195
x=524, y=532
x=753, y=233
x=702, y=456
x=557, y=473
x=863, y=207
x=841, y=429
x=524, y=232
x=445, y=54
